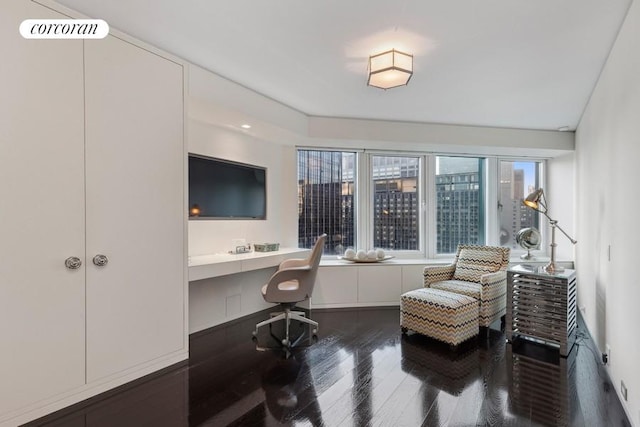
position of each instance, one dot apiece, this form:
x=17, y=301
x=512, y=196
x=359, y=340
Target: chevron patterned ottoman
x=445, y=316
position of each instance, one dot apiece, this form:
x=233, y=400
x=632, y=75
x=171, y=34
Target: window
x=367, y=200
x=326, y=189
x=459, y=202
x=396, y=213
x=517, y=180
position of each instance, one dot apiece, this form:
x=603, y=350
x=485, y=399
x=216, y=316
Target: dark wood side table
x=541, y=307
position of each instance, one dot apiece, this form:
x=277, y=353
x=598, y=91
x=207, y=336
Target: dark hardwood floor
x=362, y=372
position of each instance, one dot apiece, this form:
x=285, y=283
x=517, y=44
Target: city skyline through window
x=326, y=199
x=384, y=201
x=396, y=221
x=459, y=202
x=517, y=180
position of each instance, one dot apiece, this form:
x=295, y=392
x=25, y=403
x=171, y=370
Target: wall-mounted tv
x=221, y=189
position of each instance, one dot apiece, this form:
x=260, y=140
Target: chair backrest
x=472, y=261
x=306, y=278
x=314, y=262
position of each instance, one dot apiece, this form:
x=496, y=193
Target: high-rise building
x=459, y=213
x=514, y=215
x=457, y=210
x=396, y=221
x=326, y=201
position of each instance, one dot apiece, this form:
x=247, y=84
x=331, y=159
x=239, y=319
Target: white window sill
x=514, y=260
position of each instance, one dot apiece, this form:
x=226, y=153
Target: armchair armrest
x=493, y=297
x=492, y=279
x=438, y=273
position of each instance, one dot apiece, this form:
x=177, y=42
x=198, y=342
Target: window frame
x=484, y=215
x=356, y=189
x=368, y=234
x=542, y=226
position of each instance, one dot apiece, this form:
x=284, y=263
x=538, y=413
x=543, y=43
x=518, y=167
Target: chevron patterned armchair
x=479, y=272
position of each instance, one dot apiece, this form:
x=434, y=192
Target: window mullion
x=492, y=211
x=363, y=208
x=429, y=210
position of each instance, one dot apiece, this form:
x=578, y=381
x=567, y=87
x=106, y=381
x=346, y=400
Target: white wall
x=212, y=102
x=213, y=236
x=217, y=108
x=221, y=299
x=434, y=137
x=560, y=194
x=607, y=153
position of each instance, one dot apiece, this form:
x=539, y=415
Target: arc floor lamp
x=538, y=202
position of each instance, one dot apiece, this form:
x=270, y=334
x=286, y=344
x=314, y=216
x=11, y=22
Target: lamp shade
x=537, y=202
x=390, y=69
x=533, y=200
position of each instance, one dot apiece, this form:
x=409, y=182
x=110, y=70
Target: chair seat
x=462, y=287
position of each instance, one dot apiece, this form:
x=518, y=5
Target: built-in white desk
x=215, y=265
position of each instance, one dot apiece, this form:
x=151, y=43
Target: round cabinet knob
x=72, y=263
x=100, y=260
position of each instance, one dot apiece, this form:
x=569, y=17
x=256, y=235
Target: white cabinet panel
x=379, y=284
x=335, y=286
x=41, y=212
x=412, y=277
x=135, y=206
x=91, y=162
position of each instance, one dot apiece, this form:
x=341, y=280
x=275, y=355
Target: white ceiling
x=507, y=63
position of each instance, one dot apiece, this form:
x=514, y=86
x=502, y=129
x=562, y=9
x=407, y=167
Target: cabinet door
x=135, y=206
x=412, y=277
x=335, y=285
x=41, y=212
x=379, y=283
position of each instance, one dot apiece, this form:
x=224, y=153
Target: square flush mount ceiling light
x=390, y=69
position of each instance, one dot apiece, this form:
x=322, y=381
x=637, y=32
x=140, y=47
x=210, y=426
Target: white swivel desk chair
x=291, y=284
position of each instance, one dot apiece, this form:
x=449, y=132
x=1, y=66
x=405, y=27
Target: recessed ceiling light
x=245, y=126
x=563, y=128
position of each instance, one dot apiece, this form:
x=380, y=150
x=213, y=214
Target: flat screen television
x=221, y=189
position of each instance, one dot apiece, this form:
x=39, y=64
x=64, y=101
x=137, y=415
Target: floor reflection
x=290, y=392
x=362, y=371
x=445, y=374
x=541, y=383
x=443, y=368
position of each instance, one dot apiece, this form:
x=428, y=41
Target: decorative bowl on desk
x=372, y=255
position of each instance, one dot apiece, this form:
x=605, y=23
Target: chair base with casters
x=288, y=315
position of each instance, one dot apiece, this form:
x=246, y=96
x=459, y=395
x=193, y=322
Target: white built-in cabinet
x=134, y=206
x=359, y=285
x=92, y=163
x=340, y=284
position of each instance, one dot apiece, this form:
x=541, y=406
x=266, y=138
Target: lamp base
x=553, y=268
